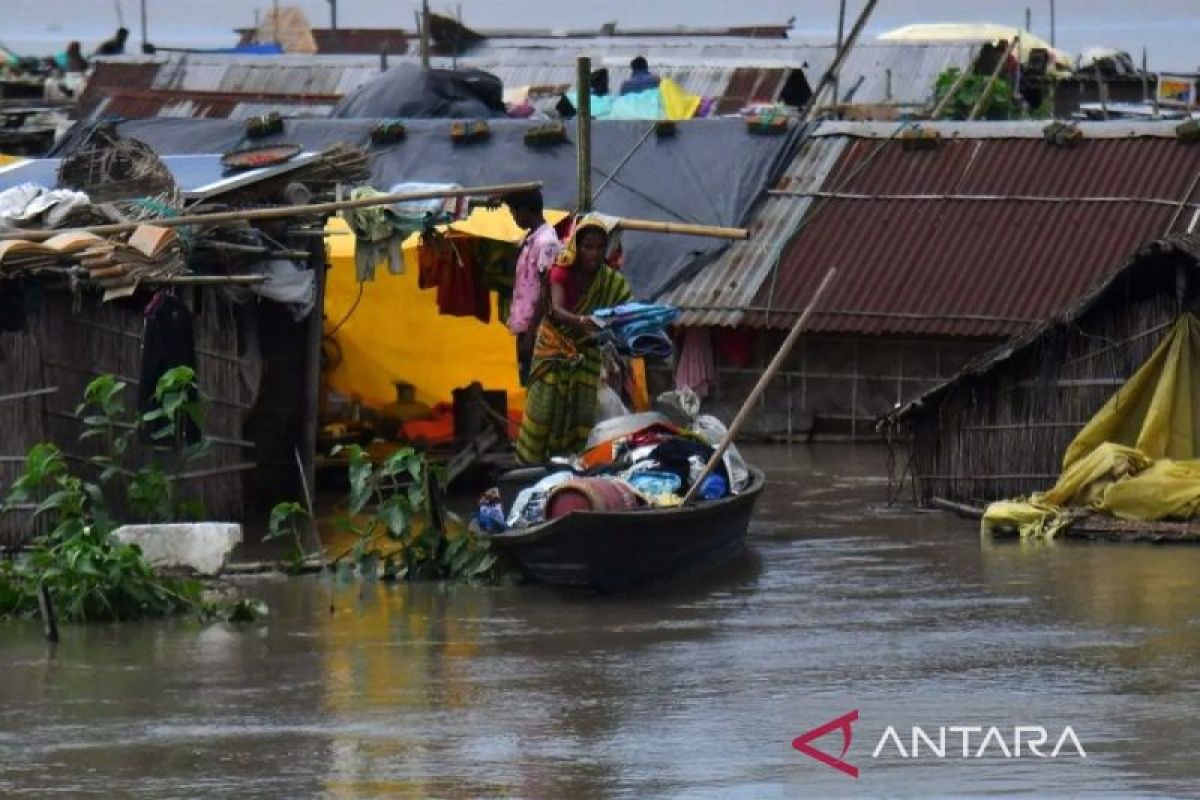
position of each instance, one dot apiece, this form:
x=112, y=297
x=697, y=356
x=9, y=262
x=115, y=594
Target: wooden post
x=425, y=34
x=583, y=132
x=145, y=39
x=310, y=407
x=46, y=608
x=760, y=387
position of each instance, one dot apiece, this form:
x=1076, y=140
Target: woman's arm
x=559, y=311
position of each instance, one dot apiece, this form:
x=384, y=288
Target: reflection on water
x=691, y=690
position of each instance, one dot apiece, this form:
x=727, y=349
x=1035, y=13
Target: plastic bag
x=712, y=430
x=608, y=404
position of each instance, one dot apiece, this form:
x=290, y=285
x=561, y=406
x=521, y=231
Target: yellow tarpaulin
x=677, y=103
x=395, y=332
x=1156, y=410
x=1138, y=458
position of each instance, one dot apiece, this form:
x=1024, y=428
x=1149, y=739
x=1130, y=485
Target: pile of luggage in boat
x=631, y=461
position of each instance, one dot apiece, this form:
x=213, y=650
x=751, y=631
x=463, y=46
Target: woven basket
x=110, y=168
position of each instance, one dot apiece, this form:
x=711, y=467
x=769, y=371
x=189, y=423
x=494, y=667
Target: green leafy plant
x=389, y=514
x=285, y=520
x=1000, y=103
x=151, y=491
x=88, y=574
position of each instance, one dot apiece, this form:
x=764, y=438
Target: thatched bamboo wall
x=831, y=387
x=1001, y=428
x=63, y=347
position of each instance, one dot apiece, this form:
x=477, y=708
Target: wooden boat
x=607, y=551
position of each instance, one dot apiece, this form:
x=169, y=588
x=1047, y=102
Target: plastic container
x=714, y=487
x=590, y=494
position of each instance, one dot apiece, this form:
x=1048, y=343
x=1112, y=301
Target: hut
x=949, y=239
x=78, y=306
x=1000, y=427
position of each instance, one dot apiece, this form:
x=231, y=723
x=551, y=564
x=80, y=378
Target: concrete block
x=200, y=546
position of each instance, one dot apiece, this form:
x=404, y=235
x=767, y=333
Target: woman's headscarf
x=601, y=222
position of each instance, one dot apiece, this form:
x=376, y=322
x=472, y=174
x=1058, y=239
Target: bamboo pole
x=759, y=388
x=991, y=84
x=814, y=102
x=424, y=34
x=311, y=398
x=583, y=133
x=954, y=87
x=1182, y=203
x=279, y=212
x=205, y=280
x=653, y=226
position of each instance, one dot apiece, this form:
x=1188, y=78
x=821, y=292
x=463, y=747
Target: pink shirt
x=537, y=255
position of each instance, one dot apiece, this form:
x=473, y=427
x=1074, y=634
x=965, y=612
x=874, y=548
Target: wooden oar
x=758, y=389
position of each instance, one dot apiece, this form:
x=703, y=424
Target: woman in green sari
x=560, y=406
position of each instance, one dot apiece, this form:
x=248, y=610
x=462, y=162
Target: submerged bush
x=88, y=574
x=390, y=514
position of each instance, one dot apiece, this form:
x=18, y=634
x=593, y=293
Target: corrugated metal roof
x=731, y=69
x=717, y=295
x=141, y=103
x=956, y=266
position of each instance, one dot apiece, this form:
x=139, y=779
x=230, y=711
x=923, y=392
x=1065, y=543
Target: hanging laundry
x=496, y=271
x=452, y=268
x=380, y=232
x=735, y=346
x=695, y=370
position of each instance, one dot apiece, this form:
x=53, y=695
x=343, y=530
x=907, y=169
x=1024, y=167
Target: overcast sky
x=1169, y=28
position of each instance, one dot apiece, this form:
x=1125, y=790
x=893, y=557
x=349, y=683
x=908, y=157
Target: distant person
x=599, y=82
x=114, y=46
x=72, y=60
x=641, y=79
x=536, y=256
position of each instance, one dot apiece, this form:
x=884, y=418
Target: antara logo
x=971, y=741
x=842, y=723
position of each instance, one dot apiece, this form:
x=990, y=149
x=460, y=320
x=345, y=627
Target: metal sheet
x=720, y=292
x=969, y=267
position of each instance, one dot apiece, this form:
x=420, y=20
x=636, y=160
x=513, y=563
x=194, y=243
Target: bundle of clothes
x=652, y=458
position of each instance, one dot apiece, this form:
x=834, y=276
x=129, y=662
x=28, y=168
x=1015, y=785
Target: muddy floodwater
x=695, y=690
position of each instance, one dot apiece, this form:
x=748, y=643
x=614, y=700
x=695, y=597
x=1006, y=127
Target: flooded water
x=691, y=691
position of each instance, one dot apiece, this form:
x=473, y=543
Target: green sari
x=560, y=407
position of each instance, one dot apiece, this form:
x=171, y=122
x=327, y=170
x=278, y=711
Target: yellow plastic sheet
x=1083, y=482
x=396, y=333
x=677, y=103
x=1030, y=519
x=1166, y=490
x=1156, y=410
x=1138, y=458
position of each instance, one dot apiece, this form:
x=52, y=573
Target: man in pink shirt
x=538, y=251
